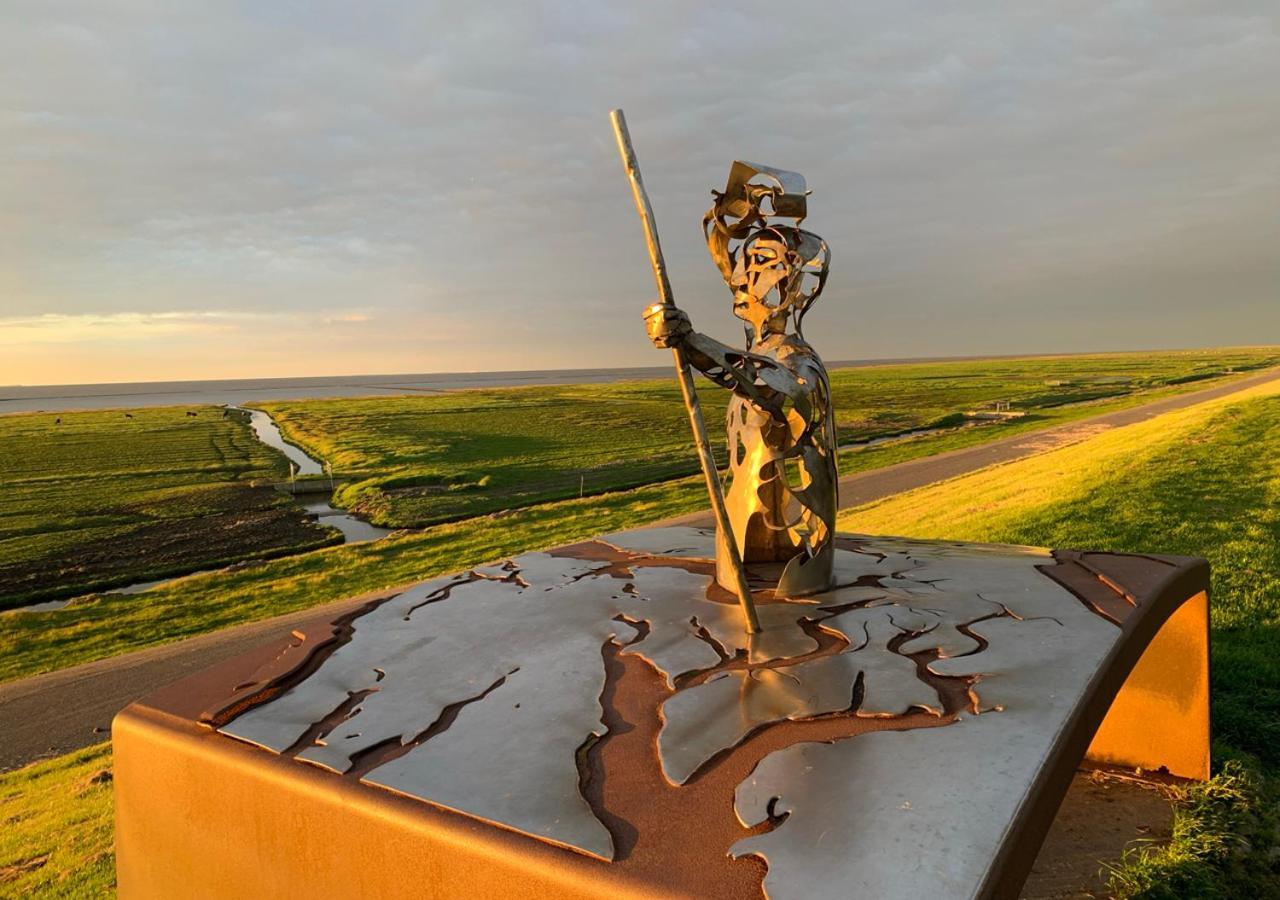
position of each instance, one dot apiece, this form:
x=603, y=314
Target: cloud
x=120, y=327
x=58, y=328
x=990, y=177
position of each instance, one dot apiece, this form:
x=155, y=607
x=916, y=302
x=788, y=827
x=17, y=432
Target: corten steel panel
x=202, y=814
x=1160, y=718
x=198, y=815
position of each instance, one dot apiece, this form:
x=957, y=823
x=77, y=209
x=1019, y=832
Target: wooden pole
x=714, y=489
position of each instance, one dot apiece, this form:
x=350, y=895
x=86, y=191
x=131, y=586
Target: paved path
x=55, y=713
x=71, y=708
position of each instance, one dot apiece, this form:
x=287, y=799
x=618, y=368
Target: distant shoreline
x=70, y=397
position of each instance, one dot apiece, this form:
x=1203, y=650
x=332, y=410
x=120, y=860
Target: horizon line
x=459, y=373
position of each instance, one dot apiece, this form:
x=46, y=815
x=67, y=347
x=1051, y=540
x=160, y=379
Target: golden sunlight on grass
x=56, y=828
x=983, y=505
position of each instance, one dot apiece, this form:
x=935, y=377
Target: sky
x=221, y=190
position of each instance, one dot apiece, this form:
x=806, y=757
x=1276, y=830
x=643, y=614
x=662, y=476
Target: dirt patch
x=101, y=777
x=1061, y=437
x=254, y=528
x=15, y=871
x=1101, y=816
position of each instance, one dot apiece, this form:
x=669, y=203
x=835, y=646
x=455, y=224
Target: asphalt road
x=62, y=711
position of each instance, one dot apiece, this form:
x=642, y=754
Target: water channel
x=266, y=430
x=354, y=530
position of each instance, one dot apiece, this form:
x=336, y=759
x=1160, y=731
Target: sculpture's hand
x=667, y=325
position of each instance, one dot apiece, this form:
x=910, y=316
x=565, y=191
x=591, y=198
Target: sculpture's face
x=777, y=273
x=761, y=283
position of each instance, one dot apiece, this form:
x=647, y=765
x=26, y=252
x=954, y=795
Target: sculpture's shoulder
x=795, y=353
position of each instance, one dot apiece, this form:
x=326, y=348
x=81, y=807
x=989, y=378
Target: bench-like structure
x=592, y=721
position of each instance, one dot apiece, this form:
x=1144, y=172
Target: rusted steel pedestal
x=594, y=722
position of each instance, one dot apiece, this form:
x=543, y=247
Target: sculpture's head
x=775, y=271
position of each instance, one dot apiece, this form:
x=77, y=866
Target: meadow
x=1201, y=482
x=415, y=461
x=56, y=839
x=395, y=439
x=94, y=500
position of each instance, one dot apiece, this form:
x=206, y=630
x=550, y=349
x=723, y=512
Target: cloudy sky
x=252, y=189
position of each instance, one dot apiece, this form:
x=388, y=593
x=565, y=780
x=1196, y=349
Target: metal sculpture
x=781, y=500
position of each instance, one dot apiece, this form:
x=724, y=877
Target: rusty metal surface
x=678, y=541
x=530, y=692
x=426, y=696
x=859, y=797
x=706, y=719
x=428, y=691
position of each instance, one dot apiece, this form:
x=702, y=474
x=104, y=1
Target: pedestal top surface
x=604, y=697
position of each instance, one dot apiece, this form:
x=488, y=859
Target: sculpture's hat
x=750, y=182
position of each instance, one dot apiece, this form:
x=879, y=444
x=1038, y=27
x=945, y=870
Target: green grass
x=92, y=500
x=903, y=449
x=1202, y=482
x=1225, y=835
x=56, y=827
x=374, y=431
x=104, y=625
x=95, y=500
x=98, y=626
x=414, y=461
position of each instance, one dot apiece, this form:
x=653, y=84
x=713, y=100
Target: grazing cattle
x=191, y=414
x=128, y=415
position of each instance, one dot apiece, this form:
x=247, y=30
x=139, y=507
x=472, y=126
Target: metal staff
x=714, y=488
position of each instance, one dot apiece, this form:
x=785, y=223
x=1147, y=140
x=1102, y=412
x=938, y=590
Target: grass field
x=92, y=500
x=56, y=827
x=1202, y=482
x=103, y=625
x=415, y=461
x=95, y=500
x=375, y=431
x=98, y=626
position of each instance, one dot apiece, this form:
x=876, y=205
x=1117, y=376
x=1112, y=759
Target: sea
x=241, y=391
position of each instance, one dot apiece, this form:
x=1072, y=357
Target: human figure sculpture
x=781, y=497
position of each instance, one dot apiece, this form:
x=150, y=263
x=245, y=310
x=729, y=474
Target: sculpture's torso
x=781, y=494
